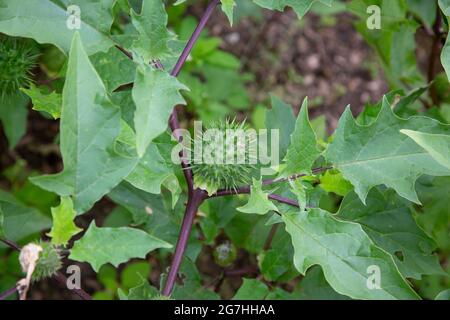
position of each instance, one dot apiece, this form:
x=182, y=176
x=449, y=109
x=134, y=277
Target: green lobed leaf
x=444, y=295
x=148, y=210
x=143, y=291
x=314, y=286
x=444, y=5
x=346, y=254
x=394, y=41
x=387, y=220
x=259, y=202
x=152, y=171
x=434, y=215
x=279, y=294
x=248, y=231
x=155, y=94
x=90, y=124
x=228, y=9
x=276, y=263
x=63, y=228
x=426, y=10
x=379, y=153
x=20, y=221
x=133, y=273
x=152, y=42
x=97, y=13
x=99, y=246
x=13, y=114
x=46, y=22
x=281, y=118
x=217, y=214
x=114, y=68
x=118, y=217
x=332, y=181
x=300, y=7
x=437, y=145
x=298, y=188
x=303, y=151
x=47, y=102
x=252, y=289
x=192, y=287
x=107, y=276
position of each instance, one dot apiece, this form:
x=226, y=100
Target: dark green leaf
x=380, y=154
x=99, y=246
x=346, y=255
x=387, y=219
x=90, y=124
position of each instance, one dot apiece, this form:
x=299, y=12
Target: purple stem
x=194, y=202
x=284, y=200
x=125, y=52
x=79, y=292
x=195, y=197
x=187, y=50
x=246, y=189
x=8, y=293
x=11, y=244
x=173, y=120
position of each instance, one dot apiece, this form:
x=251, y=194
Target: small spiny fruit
x=49, y=261
x=220, y=173
x=225, y=254
x=17, y=59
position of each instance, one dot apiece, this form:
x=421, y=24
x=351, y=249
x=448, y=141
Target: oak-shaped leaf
x=259, y=202
x=300, y=7
x=155, y=94
x=302, y=151
x=378, y=153
x=347, y=256
x=387, y=220
x=153, y=38
x=63, y=228
x=48, y=22
x=437, y=145
x=99, y=246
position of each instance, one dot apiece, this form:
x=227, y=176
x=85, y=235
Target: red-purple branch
x=196, y=197
x=173, y=121
x=284, y=200
x=191, y=211
x=8, y=293
x=246, y=189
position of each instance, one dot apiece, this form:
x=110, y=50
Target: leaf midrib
x=397, y=156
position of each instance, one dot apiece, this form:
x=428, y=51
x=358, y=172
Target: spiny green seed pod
x=49, y=261
x=44, y=255
x=17, y=59
x=228, y=156
x=225, y=254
